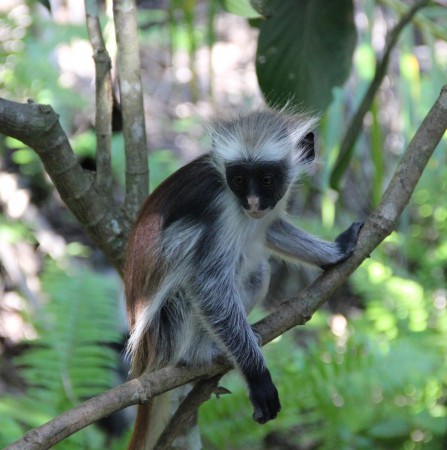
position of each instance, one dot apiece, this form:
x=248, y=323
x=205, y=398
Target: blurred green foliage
x=28, y=69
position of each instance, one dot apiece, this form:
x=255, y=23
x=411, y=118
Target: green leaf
x=304, y=51
x=242, y=8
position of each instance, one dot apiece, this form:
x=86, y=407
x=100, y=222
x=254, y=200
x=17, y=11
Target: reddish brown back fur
x=142, y=276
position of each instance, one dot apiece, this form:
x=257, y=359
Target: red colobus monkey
x=197, y=259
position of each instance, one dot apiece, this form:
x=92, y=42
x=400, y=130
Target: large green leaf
x=242, y=8
x=305, y=50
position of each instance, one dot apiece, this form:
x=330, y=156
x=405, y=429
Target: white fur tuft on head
x=262, y=136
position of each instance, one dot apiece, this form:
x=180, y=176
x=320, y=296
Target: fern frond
x=72, y=359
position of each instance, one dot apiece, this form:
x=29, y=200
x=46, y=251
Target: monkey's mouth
x=257, y=214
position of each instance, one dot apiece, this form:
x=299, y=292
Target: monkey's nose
x=253, y=202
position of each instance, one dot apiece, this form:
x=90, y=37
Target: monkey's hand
x=346, y=243
x=263, y=397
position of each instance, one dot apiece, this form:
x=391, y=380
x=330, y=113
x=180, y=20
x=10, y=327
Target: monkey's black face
x=258, y=186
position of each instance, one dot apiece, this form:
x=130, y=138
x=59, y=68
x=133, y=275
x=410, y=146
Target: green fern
x=72, y=359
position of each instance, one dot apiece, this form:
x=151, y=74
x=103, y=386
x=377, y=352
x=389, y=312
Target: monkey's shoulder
x=188, y=194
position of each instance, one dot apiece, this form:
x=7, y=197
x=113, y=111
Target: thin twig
x=104, y=101
x=356, y=124
x=187, y=411
x=131, y=97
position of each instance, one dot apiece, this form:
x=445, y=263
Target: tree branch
x=131, y=96
x=104, y=100
x=135, y=391
x=186, y=412
x=38, y=127
x=295, y=311
x=356, y=124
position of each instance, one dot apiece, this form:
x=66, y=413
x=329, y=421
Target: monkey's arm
x=291, y=244
x=218, y=304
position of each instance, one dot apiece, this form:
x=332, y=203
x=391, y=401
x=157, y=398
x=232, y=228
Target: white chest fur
x=252, y=250
x=252, y=266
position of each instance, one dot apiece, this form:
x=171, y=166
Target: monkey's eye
x=238, y=180
x=267, y=180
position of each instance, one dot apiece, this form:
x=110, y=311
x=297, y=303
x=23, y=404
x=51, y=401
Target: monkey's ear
x=308, y=147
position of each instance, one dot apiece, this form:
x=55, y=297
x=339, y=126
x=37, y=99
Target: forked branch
x=38, y=127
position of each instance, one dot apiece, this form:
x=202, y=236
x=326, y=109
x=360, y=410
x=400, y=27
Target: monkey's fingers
x=348, y=239
x=265, y=400
x=266, y=406
x=346, y=243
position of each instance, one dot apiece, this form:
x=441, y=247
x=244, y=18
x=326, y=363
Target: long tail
x=152, y=417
